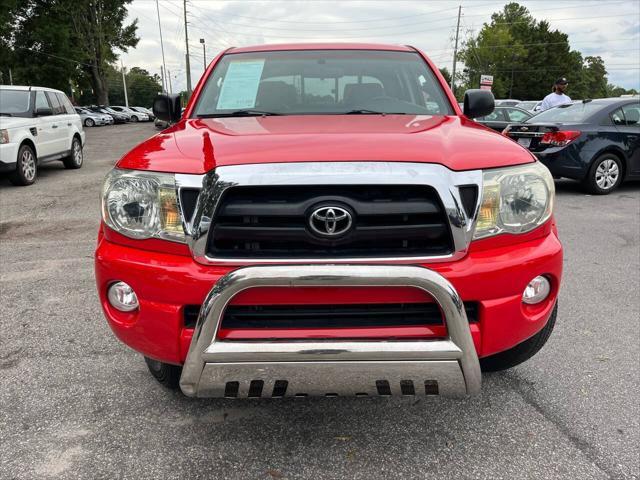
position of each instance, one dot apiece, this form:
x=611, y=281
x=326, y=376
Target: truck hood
x=198, y=145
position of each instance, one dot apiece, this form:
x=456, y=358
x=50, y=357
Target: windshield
x=15, y=103
x=573, y=113
x=322, y=82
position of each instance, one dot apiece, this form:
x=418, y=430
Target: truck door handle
x=54, y=126
x=68, y=124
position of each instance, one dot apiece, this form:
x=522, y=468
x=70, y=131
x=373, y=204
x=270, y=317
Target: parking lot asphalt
x=76, y=403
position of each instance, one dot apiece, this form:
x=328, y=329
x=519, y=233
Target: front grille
x=273, y=222
x=329, y=316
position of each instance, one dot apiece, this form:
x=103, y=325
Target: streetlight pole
x=204, y=53
x=186, y=43
x=455, y=53
x=164, y=65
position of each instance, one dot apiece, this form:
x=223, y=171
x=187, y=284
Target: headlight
x=4, y=136
x=142, y=205
x=515, y=200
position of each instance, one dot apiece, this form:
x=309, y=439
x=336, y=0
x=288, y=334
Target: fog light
x=537, y=290
x=122, y=297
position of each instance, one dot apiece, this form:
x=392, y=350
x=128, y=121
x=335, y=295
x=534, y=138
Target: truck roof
x=320, y=46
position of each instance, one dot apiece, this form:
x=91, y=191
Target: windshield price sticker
x=240, y=86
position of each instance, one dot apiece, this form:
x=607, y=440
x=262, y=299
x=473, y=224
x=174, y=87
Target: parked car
x=134, y=115
x=37, y=125
x=116, y=116
x=530, y=105
x=507, y=102
x=503, y=116
x=596, y=142
x=91, y=119
x=149, y=113
x=284, y=237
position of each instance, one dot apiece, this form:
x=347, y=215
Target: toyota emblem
x=330, y=221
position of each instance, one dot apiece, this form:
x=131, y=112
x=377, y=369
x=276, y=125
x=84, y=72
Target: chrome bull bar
x=216, y=368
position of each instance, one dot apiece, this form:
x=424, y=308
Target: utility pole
x=10, y=78
x=186, y=42
x=124, y=84
x=169, y=78
x=164, y=66
x=204, y=53
x=164, y=89
x=455, y=53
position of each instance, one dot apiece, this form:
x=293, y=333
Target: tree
x=525, y=57
x=445, y=73
x=58, y=42
x=98, y=27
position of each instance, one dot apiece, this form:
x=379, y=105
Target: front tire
x=26, y=167
x=74, y=161
x=521, y=352
x=604, y=175
x=134, y=118
x=89, y=122
x=165, y=373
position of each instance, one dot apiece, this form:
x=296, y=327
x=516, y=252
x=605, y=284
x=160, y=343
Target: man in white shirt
x=557, y=97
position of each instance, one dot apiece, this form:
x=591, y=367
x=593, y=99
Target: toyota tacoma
x=324, y=219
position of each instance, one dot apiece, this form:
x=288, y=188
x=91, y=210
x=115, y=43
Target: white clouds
x=610, y=29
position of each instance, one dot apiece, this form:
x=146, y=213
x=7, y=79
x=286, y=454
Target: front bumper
x=494, y=276
x=8, y=156
x=216, y=368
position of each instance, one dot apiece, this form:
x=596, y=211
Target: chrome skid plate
x=217, y=368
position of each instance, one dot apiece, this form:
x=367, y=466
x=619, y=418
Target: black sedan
x=594, y=141
x=503, y=116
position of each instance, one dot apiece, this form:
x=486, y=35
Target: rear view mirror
x=167, y=108
x=478, y=103
x=43, y=112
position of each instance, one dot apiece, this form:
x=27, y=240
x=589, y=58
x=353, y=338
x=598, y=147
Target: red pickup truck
x=324, y=219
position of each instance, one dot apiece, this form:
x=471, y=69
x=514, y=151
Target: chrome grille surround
x=443, y=180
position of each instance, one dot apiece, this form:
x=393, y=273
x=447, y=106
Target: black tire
x=89, y=122
x=165, y=373
x=76, y=158
x=134, y=118
x=605, y=174
x=521, y=352
x=26, y=171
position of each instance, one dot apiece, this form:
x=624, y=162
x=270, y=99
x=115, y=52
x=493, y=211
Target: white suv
x=37, y=125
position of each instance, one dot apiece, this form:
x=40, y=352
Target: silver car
x=91, y=119
x=134, y=116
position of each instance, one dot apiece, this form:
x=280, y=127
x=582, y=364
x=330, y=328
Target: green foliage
x=59, y=43
x=445, y=73
x=525, y=57
x=142, y=87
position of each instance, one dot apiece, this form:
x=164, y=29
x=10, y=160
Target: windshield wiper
x=364, y=111
x=240, y=113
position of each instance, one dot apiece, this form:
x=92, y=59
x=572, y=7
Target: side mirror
x=167, y=108
x=478, y=103
x=43, y=112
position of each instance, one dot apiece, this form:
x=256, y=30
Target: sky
x=608, y=28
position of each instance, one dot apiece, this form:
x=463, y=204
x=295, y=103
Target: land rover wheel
x=75, y=159
x=26, y=167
